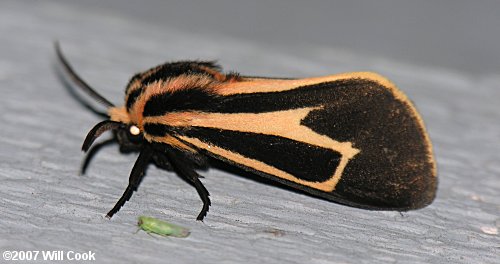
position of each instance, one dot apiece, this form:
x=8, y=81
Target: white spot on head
x=134, y=130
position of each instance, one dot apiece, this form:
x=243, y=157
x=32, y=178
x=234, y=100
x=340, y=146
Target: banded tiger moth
x=350, y=138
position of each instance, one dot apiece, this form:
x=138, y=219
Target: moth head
x=128, y=134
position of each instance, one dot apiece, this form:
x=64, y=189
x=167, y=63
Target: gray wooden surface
x=46, y=205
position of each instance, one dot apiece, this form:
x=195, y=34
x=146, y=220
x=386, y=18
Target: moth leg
x=92, y=152
x=161, y=161
x=134, y=180
x=186, y=171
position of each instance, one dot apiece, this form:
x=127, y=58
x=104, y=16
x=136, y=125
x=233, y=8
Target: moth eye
x=134, y=130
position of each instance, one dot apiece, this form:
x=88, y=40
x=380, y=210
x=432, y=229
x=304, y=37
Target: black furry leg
x=135, y=178
x=204, y=195
x=92, y=152
x=180, y=164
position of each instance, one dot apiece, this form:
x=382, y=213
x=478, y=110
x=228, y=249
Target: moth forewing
x=359, y=122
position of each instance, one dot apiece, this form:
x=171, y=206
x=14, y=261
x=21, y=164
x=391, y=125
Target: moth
x=162, y=228
x=350, y=138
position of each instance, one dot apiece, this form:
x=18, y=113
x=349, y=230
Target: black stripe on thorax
x=164, y=72
x=159, y=130
x=183, y=100
x=175, y=69
x=132, y=97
